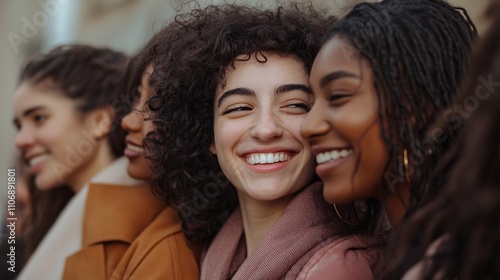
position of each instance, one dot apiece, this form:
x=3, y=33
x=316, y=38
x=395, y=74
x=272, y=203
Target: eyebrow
x=235, y=91
x=248, y=92
x=28, y=112
x=335, y=76
x=292, y=87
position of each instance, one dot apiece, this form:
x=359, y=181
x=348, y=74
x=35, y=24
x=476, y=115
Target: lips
x=35, y=161
x=132, y=150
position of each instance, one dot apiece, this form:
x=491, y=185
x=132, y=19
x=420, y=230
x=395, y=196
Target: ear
x=212, y=149
x=100, y=121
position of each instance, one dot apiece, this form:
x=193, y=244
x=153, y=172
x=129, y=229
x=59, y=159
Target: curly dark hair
x=463, y=212
x=188, y=65
x=418, y=51
x=92, y=77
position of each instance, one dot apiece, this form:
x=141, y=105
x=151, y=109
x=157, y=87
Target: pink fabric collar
x=285, y=250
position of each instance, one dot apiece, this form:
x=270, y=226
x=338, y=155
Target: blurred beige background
x=29, y=27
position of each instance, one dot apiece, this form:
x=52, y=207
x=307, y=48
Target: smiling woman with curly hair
x=231, y=91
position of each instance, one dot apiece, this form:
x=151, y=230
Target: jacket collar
x=117, y=213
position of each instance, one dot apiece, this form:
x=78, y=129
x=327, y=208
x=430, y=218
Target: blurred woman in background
x=163, y=238
x=63, y=111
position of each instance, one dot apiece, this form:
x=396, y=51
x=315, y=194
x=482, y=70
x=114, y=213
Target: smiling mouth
x=332, y=155
x=267, y=158
x=36, y=160
x=135, y=148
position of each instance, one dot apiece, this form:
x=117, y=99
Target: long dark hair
x=418, y=51
x=187, y=68
x=461, y=216
x=93, y=77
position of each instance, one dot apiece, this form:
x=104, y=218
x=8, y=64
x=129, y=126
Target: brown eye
x=236, y=109
x=336, y=98
x=303, y=106
x=39, y=118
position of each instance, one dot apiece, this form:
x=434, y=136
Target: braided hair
x=418, y=51
x=461, y=214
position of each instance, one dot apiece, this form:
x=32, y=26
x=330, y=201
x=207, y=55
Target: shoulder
x=170, y=258
x=161, y=251
x=347, y=257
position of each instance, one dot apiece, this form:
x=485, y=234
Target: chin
x=330, y=196
x=45, y=184
x=136, y=173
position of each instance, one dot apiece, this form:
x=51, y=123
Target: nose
x=314, y=124
x=131, y=122
x=268, y=126
x=24, y=138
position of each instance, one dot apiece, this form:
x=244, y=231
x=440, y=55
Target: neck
x=396, y=204
x=100, y=160
x=258, y=217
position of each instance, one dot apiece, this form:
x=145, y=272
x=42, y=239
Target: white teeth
x=332, y=155
x=270, y=158
x=267, y=158
x=38, y=159
x=263, y=158
x=135, y=148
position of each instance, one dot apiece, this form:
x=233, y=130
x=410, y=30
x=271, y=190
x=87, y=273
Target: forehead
x=44, y=93
x=265, y=67
x=337, y=54
x=146, y=76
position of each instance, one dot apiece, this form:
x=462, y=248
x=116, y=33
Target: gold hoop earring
x=405, y=162
x=342, y=218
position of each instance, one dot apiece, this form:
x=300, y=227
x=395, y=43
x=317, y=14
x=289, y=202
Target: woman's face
x=343, y=126
x=138, y=124
x=257, y=117
x=58, y=143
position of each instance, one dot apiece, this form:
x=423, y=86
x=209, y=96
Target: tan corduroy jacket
x=129, y=234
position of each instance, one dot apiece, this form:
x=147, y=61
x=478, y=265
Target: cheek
x=362, y=132
x=227, y=134
x=53, y=137
x=373, y=158
x=293, y=124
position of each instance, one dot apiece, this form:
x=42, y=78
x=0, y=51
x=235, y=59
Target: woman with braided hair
x=456, y=233
x=382, y=77
x=228, y=104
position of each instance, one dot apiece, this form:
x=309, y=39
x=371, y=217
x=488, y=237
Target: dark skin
x=344, y=130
